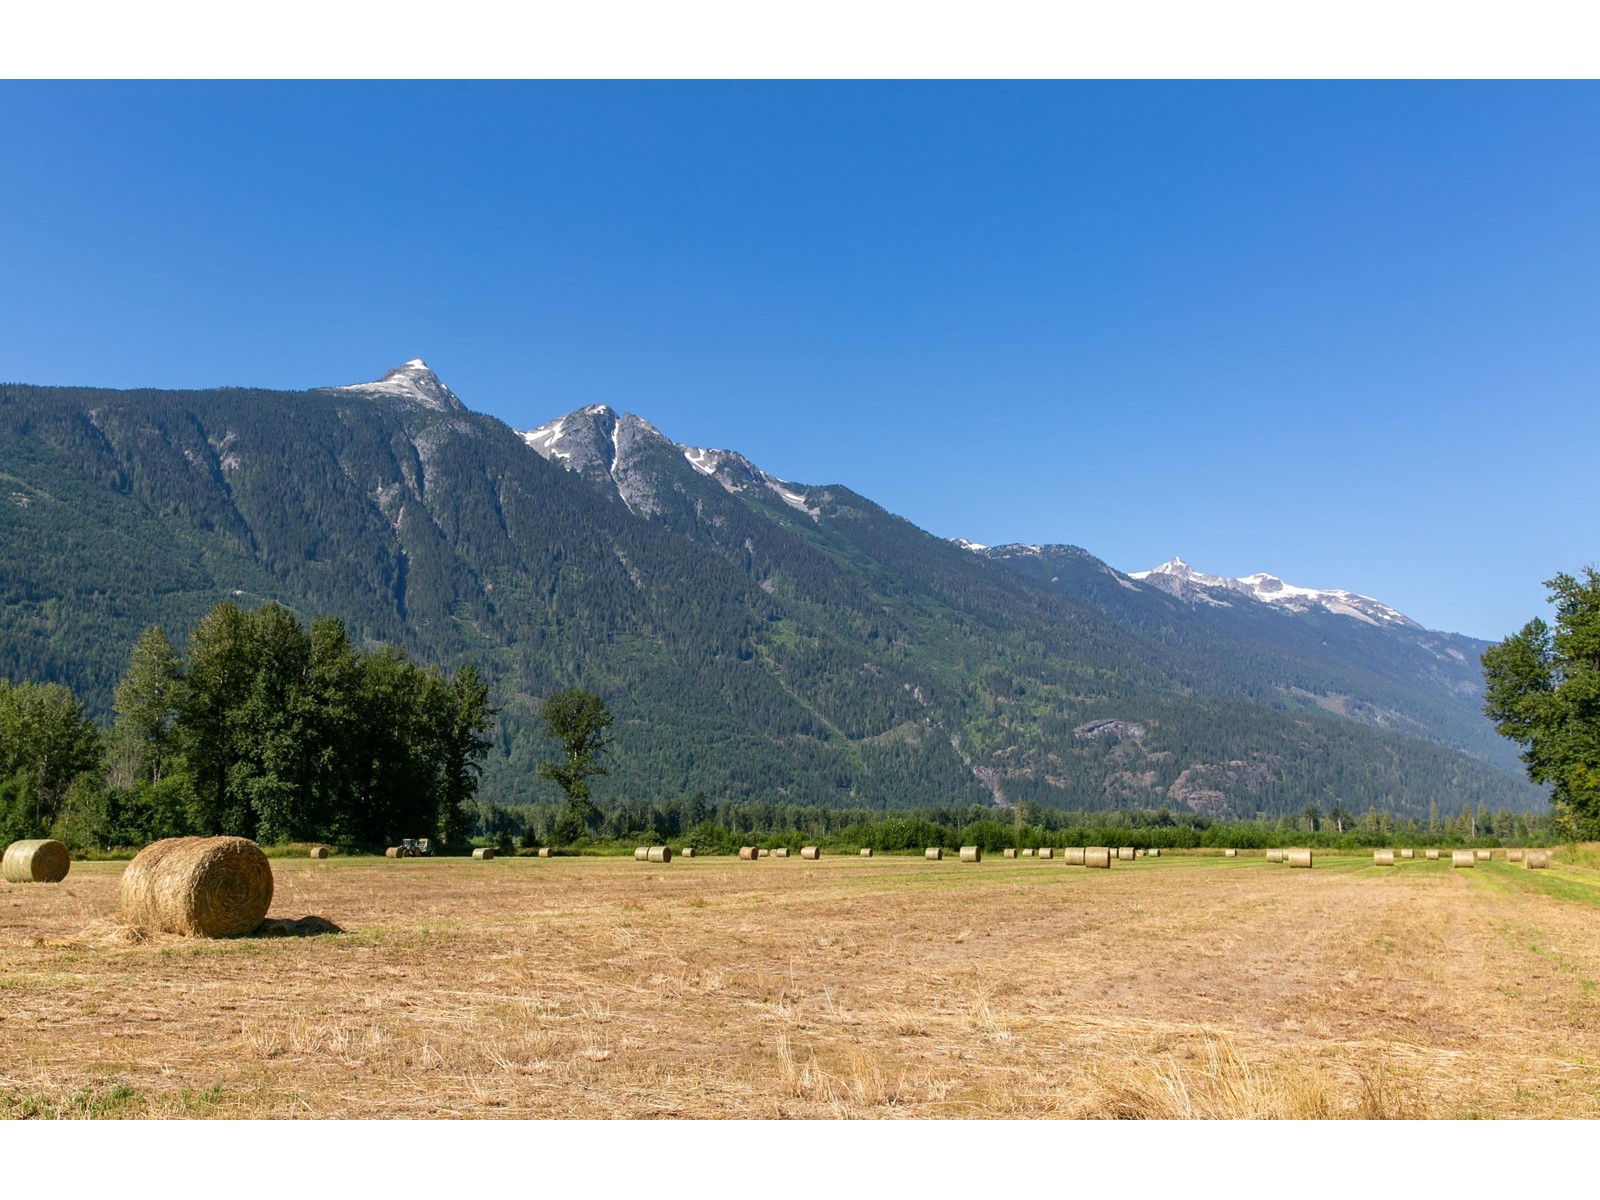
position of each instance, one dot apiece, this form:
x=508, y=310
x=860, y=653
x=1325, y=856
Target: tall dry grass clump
x=37, y=860
x=198, y=887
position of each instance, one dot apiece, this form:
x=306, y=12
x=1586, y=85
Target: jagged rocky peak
x=414, y=384
x=596, y=438
x=1181, y=580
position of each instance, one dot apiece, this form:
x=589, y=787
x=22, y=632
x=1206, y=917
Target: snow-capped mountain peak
x=413, y=383
x=1183, y=581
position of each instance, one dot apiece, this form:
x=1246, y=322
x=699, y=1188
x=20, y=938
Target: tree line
x=262, y=728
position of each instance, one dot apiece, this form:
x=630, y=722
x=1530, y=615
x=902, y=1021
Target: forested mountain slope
x=755, y=639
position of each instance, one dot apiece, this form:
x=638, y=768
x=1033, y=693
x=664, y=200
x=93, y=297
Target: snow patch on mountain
x=413, y=384
x=1180, y=579
x=974, y=547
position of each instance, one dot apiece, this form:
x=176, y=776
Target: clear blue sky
x=1345, y=333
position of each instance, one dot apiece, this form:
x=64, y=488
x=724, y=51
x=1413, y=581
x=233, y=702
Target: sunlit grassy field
x=885, y=988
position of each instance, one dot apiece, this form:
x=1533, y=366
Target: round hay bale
x=1536, y=860
x=1485, y=855
x=686, y=852
x=1154, y=852
x=1276, y=856
x=1073, y=856
x=1463, y=858
x=749, y=853
x=1028, y=853
x=394, y=852
x=546, y=852
x=1097, y=856
x=198, y=887
x=483, y=853
x=933, y=853
x=659, y=854
x=971, y=854
x=317, y=852
x=641, y=854
x=810, y=852
x=1126, y=854
x=1047, y=852
x=765, y=853
x=1408, y=853
x=866, y=852
x=781, y=852
x=1230, y=854
x=1299, y=858
x=1383, y=858
x=1009, y=852
x=37, y=860
x=1513, y=855
x=1430, y=855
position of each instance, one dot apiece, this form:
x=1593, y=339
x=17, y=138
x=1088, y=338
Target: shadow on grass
x=303, y=927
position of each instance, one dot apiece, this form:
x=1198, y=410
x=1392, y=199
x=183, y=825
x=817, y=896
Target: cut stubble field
x=1183, y=987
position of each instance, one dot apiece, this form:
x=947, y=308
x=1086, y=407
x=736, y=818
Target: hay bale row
x=1047, y=852
x=1463, y=858
x=641, y=854
x=1299, y=858
x=866, y=852
x=1484, y=855
x=1513, y=855
x=1383, y=858
x=971, y=854
x=1074, y=855
x=1430, y=855
x=1408, y=853
x=483, y=853
x=1277, y=856
x=198, y=887
x=766, y=853
x=749, y=853
x=1154, y=852
x=1536, y=860
x=658, y=854
x=1097, y=856
x=1028, y=852
x=35, y=860
x=781, y=852
x=933, y=853
x=810, y=852
x=1009, y=852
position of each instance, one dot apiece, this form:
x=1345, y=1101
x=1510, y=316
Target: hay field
x=879, y=988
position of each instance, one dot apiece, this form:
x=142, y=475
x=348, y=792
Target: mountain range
x=757, y=639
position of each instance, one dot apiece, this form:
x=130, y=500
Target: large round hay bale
x=198, y=886
x=1383, y=858
x=641, y=854
x=317, y=852
x=658, y=854
x=1073, y=855
x=1047, y=852
x=37, y=860
x=933, y=853
x=1230, y=854
x=780, y=852
x=1536, y=860
x=1463, y=858
x=1513, y=855
x=1028, y=853
x=1275, y=856
x=1009, y=852
x=1408, y=853
x=686, y=852
x=1299, y=858
x=1485, y=855
x=1126, y=854
x=545, y=852
x=394, y=852
x=1097, y=856
x=765, y=853
x=810, y=852
x=971, y=854
x=483, y=853
x=866, y=852
x=1155, y=852
x=749, y=853
x=1430, y=855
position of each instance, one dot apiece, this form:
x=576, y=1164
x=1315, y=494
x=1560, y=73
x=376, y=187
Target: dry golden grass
x=888, y=987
